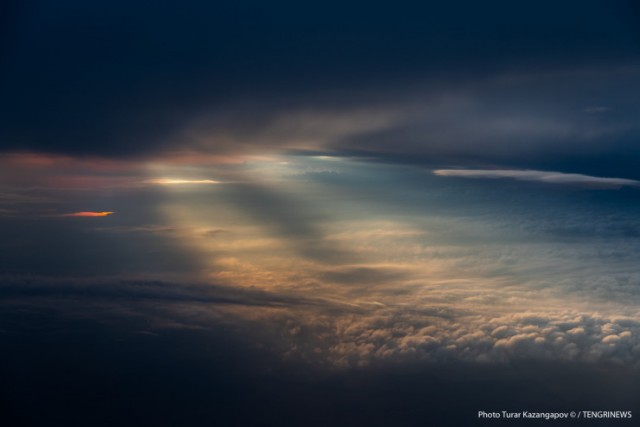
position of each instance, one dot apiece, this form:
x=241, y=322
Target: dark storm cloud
x=122, y=78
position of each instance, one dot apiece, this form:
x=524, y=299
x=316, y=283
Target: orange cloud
x=89, y=214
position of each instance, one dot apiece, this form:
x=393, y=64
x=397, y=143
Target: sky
x=330, y=213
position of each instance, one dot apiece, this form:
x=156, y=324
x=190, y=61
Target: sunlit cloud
x=169, y=181
x=539, y=176
x=89, y=214
x=308, y=245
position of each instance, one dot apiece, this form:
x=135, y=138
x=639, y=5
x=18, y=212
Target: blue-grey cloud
x=23, y=289
x=539, y=176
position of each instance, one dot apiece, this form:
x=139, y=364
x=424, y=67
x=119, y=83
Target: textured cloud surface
x=358, y=263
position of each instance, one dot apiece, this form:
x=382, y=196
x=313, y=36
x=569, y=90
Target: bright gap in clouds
x=169, y=181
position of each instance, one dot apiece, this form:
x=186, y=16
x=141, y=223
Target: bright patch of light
x=168, y=181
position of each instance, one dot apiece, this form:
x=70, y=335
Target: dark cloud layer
x=102, y=371
x=17, y=288
x=121, y=78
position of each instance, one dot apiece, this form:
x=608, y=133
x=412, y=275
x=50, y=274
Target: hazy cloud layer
x=539, y=176
x=352, y=262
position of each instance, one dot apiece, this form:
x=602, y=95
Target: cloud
x=173, y=181
x=149, y=83
x=181, y=375
x=353, y=275
x=401, y=272
x=16, y=198
x=179, y=300
x=539, y=176
x=145, y=228
x=89, y=214
x=433, y=335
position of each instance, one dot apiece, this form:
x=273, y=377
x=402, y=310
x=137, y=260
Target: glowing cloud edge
x=88, y=214
x=171, y=181
x=538, y=176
